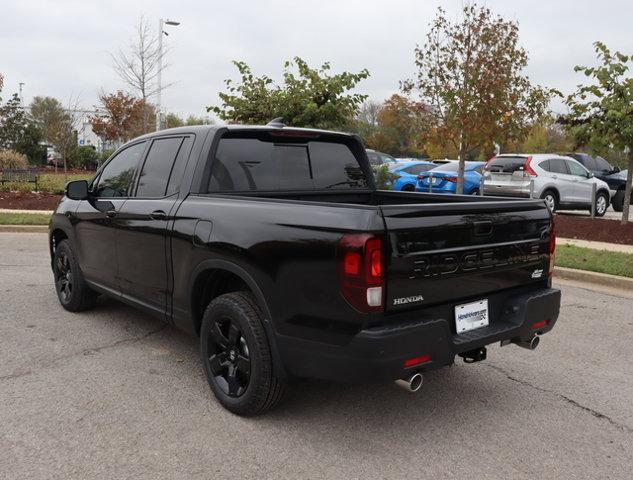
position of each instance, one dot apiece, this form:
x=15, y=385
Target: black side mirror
x=77, y=190
x=589, y=175
x=616, y=170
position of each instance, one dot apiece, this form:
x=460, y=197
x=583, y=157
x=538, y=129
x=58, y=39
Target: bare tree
x=141, y=64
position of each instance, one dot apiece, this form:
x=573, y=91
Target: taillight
x=450, y=179
x=552, y=247
x=361, y=271
x=528, y=169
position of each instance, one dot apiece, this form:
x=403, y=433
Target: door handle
x=158, y=215
x=555, y=177
x=111, y=213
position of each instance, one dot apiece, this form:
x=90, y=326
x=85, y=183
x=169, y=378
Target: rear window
x=447, y=167
x=264, y=164
x=506, y=164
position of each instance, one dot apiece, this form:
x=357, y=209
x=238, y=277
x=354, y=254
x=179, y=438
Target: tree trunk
x=627, y=190
x=460, y=172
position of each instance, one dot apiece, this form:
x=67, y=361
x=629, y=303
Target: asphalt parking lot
x=113, y=393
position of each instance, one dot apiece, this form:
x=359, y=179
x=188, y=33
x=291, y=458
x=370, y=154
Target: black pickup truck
x=273, y=245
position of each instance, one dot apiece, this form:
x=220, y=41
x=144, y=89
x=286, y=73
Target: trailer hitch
x=472, y=356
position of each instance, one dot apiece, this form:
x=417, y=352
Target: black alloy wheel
x=229, y=362
x=64, y=277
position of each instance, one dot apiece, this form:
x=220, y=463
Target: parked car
x=408, y=172
x=561, y=181
x=376, y=159
x=443, y=178
x=273, y=246
x=613, y=176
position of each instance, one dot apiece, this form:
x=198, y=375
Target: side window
x=602, y=165
x=557, y=165
x=175, y=178
x=116, y=177
x=374, y=159
x=157, y=167
x=576, y=169
x=588, y=162
x=545, y=165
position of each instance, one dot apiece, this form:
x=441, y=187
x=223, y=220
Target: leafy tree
x=172, y=120
x=400, y=128
x=308, y=97
x=546, y=135
x=470, y=76
x=193, y=120
x=601, y=112
x=47, y=114
x=121, y=117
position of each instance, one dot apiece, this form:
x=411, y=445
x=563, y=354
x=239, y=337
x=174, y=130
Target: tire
x=408, y=188
x=236, y=355
x=618, y=201
x=72, y=291
x=602, y=203
x=551, y=199
x=475, y=191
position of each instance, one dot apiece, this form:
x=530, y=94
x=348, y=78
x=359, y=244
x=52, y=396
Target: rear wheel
x=72, y=291
x=237, y=357
x=618, y=201
x=408, y=188
x=475, y=192
x=602, y=203
x=551, y=200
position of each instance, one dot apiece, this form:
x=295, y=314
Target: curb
x=24, y=228
x=602, y=279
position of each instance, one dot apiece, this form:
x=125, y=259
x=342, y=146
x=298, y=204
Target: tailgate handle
x=483, y=228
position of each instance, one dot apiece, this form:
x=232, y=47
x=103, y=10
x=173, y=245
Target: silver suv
x=561, y=181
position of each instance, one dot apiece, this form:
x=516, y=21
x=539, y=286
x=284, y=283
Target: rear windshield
x=268, y=164
x=506, y=164
x=454, y=167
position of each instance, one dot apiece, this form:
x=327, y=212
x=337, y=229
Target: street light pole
x=159, y=72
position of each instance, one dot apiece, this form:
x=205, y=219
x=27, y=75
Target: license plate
x=470, y=316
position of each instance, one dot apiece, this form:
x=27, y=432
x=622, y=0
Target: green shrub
x=85, y=157
x=12, y=159
x=105, y=155
x=55, y=183
x=384, y=178
x=24, y=187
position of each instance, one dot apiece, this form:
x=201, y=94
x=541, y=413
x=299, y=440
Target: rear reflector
x=412, y=362
x=539, y=325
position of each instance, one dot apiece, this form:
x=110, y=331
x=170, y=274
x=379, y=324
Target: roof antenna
x=276, y=122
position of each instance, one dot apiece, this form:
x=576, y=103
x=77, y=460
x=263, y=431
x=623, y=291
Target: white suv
x=561, y=181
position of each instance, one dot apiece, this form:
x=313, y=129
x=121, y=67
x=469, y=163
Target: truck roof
x=235, y=127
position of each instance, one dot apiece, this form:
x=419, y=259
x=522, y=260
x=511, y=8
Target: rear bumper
x=507, y=189
x=378, y=354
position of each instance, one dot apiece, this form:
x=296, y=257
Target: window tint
x=116, y=177
x=588, y=162
x=175, y=178
x=602, y=165
x=576, y=169
x=506, y=164
x=545, y=165
x=417, y=169
x=557, y=165
x=251, y=164
x=157, y=167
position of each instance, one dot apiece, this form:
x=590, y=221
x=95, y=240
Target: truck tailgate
x=452, y=253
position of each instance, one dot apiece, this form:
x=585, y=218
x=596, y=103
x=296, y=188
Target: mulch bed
x=597, y=230
x=29, y=201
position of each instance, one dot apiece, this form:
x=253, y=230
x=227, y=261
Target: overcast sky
x=60, y=48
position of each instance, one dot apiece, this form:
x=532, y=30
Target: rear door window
x=256, y=164
x=417, y=169
x=557, y=165
x=545, y=165
x=576, y=169
x=158, y=166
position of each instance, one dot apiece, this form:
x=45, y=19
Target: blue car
x=408, y=173
x=445, y=178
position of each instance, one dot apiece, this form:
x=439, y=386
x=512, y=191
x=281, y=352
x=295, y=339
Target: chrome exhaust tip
x=412, y=384
x=529, y=344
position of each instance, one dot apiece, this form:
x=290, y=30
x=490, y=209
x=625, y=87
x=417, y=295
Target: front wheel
x=72, y=291
x=618, y=201
x=237, y=357
x=602, y=203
